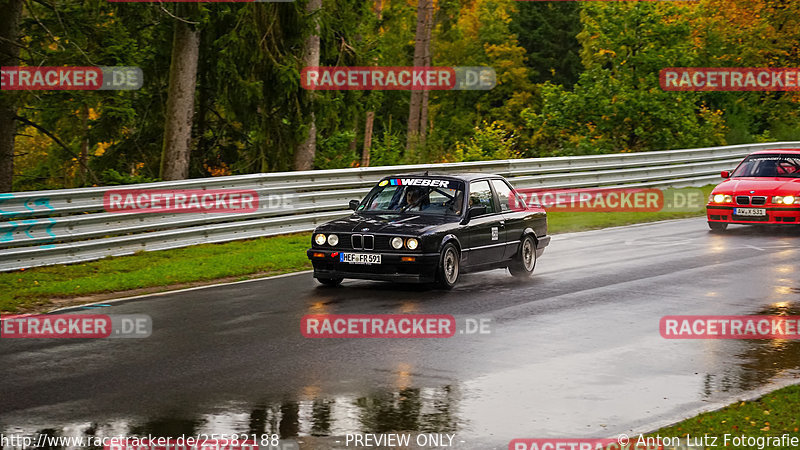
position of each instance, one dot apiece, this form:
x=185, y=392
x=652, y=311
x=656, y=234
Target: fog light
x=318, y=255
x=408, y=258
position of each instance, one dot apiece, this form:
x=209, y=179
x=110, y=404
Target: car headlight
x=722, y=198
x=397, y=243
x=412, y=244
x=319, y=239
x=333, y=240
x=785, y=199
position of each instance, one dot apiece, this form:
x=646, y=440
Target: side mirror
x=475, y=211
x=354, y=204
x=725, y=174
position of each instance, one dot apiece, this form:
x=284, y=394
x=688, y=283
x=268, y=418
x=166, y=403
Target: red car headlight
x=720, y=198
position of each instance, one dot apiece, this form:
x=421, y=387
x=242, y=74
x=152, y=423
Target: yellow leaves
x=93, y=114
x=54, y=46
x=101, y=148
x=218, y=171
x=603, y=52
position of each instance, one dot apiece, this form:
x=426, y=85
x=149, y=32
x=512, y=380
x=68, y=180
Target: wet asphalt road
x=573, y=352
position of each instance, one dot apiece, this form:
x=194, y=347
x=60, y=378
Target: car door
x=514, y=220
x=486, y=233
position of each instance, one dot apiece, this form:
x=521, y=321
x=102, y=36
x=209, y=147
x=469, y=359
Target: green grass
x=33, y=289
x=564, y=222
x=36, y=289
x=774, y=414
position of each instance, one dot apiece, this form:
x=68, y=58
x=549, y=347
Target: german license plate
x=750, y=212
x=360, y=258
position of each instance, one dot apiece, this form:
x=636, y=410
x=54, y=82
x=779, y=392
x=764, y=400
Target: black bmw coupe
x=430, y=229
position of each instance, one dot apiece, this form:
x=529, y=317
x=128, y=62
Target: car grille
x=359, y=241
x=362, y=241
x=747, y=200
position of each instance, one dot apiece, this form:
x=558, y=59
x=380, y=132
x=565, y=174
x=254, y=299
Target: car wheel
x=717, y=227
x=330, y=281
x=447, y=273
x=525, y=261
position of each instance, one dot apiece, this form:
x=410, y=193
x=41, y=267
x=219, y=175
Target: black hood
x=387, y=223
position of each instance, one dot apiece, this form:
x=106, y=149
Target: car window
x=385, y=198
x=505, y=196
x=417, y=195
x=769, y=165
x=481, y=194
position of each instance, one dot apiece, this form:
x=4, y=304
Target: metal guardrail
x=70, y=225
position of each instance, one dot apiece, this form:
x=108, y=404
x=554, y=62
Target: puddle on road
x=759, y=360
x=410, y=410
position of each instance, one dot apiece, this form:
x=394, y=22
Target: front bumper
x=392, y=267
x=774, y=215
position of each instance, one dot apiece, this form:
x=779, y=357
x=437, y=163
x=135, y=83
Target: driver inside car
x=416, y=199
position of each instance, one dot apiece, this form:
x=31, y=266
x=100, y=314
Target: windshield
x=417, y=195
x=769, y=165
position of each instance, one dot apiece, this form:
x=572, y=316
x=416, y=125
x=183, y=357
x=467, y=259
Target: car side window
x=505, y=195
x=481, y=194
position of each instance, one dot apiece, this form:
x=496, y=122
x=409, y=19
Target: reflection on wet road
x=574, y=352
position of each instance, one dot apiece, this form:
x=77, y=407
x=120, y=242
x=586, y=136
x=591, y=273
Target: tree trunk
x=305, y=152
x=367, y=139
x=84, y=155
x=180, y=99
x=422, y=58
x=354, y=142
x=9, y=56
x=365, y=152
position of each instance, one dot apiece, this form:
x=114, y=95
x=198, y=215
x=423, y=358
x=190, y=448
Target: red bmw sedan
x=763, y=189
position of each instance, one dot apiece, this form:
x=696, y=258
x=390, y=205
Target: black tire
x=525, y=261
x=717, y=227
x=330, y=281
x=449, y=265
